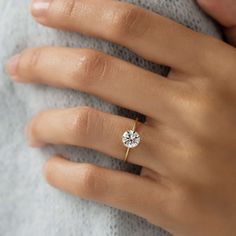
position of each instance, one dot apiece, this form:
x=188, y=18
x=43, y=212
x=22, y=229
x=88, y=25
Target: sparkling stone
x=131, y=139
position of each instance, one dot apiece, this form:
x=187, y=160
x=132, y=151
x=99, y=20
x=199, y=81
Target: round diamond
x=131, y=139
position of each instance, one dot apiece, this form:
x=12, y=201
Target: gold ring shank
x=126, y=155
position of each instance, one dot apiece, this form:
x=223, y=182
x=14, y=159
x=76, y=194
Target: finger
x=87, y=127
x=150, y=35
x=110, y=78
x=118, y=189
x=224, y=12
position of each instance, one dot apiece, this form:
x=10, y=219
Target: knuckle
x=31, y=58
x=92, y=67
x=128, y=21
x=69, y=8
x=200, y=112
x=202, y=105
x=93, y=183
x=84, y=122
x=189, y=99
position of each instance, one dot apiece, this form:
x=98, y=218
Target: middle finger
x=110, y=78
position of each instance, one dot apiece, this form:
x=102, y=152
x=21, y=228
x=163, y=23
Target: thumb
x=223, y=11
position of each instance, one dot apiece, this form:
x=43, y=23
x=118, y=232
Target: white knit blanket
x=28, y=206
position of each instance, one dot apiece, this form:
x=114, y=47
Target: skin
x=188, y=179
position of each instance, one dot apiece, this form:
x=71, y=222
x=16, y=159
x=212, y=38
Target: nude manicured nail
x=40, y=7
x=12, y=65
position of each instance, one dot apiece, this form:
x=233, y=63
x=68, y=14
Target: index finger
x=148, y=34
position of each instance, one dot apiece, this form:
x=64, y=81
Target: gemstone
x=131, y=139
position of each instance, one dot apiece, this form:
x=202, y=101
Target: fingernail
x=32, y=142
x=12, y=65
x=40, y=8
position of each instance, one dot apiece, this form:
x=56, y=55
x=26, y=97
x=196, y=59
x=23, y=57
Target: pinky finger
x=122, y=190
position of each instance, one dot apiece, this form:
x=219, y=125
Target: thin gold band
x=128, y=149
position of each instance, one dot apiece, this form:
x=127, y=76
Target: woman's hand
x=188, y=144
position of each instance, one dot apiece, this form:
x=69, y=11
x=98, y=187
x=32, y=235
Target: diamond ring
x=130, y=139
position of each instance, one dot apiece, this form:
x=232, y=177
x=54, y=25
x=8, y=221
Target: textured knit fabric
x=29, y=206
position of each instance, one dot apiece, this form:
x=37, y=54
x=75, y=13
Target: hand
x=187, y=149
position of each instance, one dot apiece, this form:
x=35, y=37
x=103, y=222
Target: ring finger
x=87, y=127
